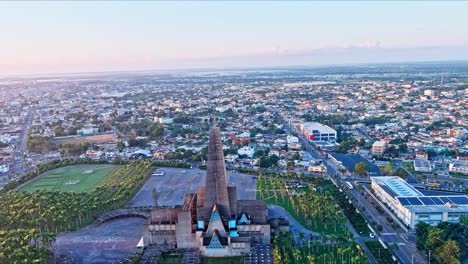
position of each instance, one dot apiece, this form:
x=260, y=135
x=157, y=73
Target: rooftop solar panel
x=437, y=201
x=445, y=199
x=388, y=190
x=459, y=200
x=426, y=200
x=414, y=201
x=404, y=201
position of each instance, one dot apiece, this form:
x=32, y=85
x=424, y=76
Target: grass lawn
x=410, y=167
x=79, y=178
x=318, y=224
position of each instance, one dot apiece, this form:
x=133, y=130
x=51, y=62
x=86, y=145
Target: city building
x=314, y=131
x=317, y=169
x=212, y=220
x=164, y=120
x=422, y=165
x=247, y=151
x=378, y=148
x=87, y=130
x=4, y=168
x=411, y=206
x=459, y=166
x=456, y=132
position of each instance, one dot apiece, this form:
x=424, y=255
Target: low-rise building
x=459, y=166
x=317, y=169
x=314, y=131
x=164, y=120
x=378, y=148
x=422, y=165
x=246, y=150
x=411, y=206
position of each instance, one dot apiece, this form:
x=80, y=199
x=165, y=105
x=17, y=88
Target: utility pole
x=429, y=257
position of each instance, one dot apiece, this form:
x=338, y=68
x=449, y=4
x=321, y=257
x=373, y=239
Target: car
x=158, y=173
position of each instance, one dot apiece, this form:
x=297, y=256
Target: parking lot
x=175, y=183
x=106, y=243
x=114, y=240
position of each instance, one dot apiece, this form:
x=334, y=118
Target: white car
x=158, y=173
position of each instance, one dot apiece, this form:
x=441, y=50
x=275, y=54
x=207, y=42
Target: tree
x=448, y=253
x=388, y=169
x=362, y=142
x=403, y=148
x=361, y=168
x=434, y=239
x=422, y=231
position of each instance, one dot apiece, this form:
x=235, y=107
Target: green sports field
x=79, y=178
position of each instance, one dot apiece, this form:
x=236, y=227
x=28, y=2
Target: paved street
x=279, y=212
x=406, y=242
x=17, y=164
x=18, y=161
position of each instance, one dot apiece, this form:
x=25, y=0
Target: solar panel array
x=433, y=200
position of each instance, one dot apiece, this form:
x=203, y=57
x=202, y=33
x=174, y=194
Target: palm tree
x=297, y=255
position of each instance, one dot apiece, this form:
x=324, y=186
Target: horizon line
x=220, y=69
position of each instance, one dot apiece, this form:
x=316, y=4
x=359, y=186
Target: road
x=411, y=177
x=18, y=158
x=312, y=151
x=406, y=242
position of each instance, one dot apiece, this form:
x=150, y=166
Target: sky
x=55, y=37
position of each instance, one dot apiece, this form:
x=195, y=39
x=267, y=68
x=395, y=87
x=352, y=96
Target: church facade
x=213, y=219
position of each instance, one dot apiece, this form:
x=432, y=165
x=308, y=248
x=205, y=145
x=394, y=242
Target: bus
x=350, y=185
x=433, y=186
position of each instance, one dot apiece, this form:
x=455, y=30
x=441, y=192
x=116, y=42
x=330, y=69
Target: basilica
x=212, y=220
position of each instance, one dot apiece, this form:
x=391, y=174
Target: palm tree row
x=55, y=211
x=317, y=252
x=316, y=210
x=25, y=246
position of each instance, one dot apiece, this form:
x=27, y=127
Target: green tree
x=448, y=253
x=388, y=169
x=361, y=168
x=434, y=238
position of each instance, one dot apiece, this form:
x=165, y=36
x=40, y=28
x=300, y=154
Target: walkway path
x=275, y=211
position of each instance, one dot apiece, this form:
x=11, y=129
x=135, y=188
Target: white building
x=292, y=139
x=87, y=130
x=317, y=169
x=459, y=166
x=412, y=207
x=248, y=151
x=4, y=168
x=378, y=148
x=164, y=120
x=428, y=92
x=314, y=131
x=293, y=142
x=6, y=139
x=422, y=165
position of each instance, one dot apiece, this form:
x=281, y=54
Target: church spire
x=216, y=177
